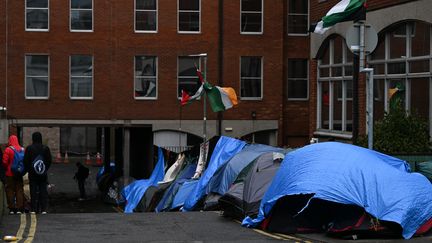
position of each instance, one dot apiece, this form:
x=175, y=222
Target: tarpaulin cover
x=168, y=197
x=225, y=149
x=135, y=191
x=226, y=174
x=349, y=174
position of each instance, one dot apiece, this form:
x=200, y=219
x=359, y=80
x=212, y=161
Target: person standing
x=37, y=161
x=81, y=176
x=13, y=180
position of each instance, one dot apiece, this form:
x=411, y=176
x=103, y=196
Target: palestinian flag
x=187, y=99
x=345, y=10
x=220, y=98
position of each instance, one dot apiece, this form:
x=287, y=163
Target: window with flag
x=81, y=15
x=298, y=17
x=251, y=79
x=36, y=76
x=251, y=12
x=37, y=15
x=402, y=69
x=146, y=15
x=81, y=77
x=334, y=91
x=189, y=17
x=298, y=79
x=187, y=77
x=145, y=77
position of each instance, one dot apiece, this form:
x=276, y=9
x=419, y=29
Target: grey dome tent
x=244, y=196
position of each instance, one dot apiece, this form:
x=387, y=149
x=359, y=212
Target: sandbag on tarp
x=226, y=174
x=135, y=191
x=225, y=148
x=348, y=174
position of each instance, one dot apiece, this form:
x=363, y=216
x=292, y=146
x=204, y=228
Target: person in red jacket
x=14, y=183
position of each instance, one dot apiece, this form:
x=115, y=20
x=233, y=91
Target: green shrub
x=399, y=133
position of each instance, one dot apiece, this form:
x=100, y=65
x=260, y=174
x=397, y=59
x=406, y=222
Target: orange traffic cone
x=58, y=158
x=66, y=158
x=87, y=161
x=98, y=159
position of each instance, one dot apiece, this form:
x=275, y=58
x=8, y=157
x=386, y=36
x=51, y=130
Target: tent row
x=331, y=187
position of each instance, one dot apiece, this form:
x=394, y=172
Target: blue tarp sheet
x=135, y=191
x=348, y=174
x=225, y=148
x=168, y=197
x=226, y=174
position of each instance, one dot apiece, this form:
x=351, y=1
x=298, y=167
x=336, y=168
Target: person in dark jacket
x=14, y=181
x=81, y=176
x=37, y=161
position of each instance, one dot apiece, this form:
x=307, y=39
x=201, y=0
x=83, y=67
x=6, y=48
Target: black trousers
x=39, y=195
x=81, y=188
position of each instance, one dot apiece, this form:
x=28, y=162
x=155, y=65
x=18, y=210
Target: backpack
x=39, y=166
x=17, y=166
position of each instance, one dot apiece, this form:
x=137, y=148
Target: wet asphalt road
x=69, y=220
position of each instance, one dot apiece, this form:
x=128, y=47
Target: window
x=403, y=58
x=81, y=15
x=189, y=16
x=251, y=16
x=251, y=78
x=335, y=88
x=37, y=15
x=81, y=77
x=298, y=79
x=145, y=77
x=36, y=76
x=298, y=17
x=187, y=77
x=146, y=15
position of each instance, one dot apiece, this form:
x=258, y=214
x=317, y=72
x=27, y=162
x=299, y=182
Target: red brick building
x=105, y=76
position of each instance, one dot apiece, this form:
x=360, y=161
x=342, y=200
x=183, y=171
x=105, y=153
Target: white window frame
x=70, y=17
x=288, y=23
x=343, y=133
x=262, y=19
x=155, y=77
x=196, y=76
x=157, y=18
x=70, y=79
x=186, y=11
x=262, y=80
x=26, y=76
x=294, y=79
x=25, y=16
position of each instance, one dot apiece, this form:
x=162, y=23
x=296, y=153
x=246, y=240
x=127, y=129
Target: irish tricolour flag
x=345, y=10
x=220, y=98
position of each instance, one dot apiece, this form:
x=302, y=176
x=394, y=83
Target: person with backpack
x=37, y=161
x=13, y=165
x=81, y=176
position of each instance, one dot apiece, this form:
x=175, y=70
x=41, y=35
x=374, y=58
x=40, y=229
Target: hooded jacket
x=32, y=151
x=8, y=154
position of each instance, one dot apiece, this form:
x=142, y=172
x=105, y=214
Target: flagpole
x=205, y=100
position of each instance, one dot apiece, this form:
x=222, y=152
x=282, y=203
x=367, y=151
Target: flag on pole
x=345, y=10
x=220, y=98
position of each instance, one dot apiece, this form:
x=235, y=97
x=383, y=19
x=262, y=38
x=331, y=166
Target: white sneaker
x=33, y=212
x=44, y=212
x=18, y=212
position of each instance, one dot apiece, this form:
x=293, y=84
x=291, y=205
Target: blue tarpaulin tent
x=226, y=174
x=348, y=174
x=135, y=191
x=225, y=148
